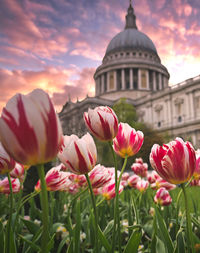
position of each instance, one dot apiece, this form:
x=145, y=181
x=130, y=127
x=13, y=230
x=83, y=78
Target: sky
x=56, y=45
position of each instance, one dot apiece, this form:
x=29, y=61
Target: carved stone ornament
x=158, y=108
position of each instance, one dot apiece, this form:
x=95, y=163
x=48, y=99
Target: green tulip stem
x=95, y=213
x=45, y=209
x=116, y=203
x=10, y=216
x=188, y=222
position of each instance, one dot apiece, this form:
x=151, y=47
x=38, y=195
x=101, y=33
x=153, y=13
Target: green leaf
x=77, y=228
x=70, y=248
x=164, y=232
x=2, y=237
x=31, y=226
x=181, y=243
x=33, y=245
x=50, y=243
x=108, y=228
x=62, y=243
x=133, y=243
x=103, y=240
x=160, y=246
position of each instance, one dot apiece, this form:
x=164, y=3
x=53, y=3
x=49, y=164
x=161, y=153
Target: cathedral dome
x=130, y=39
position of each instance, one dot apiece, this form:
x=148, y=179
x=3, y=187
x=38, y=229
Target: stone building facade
x=132, y=68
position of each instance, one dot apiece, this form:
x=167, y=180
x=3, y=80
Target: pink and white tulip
x=175, y=162
x=142, y=185
x=7, y=163
x=99, y=176
x=18, y=171
x=30, y=130
x=162, y=197
x=125, y=176
x=161, y=183
x=128, y=141
x=132, y=180
x=197, y=169
x=152, y=176
x=102, y=122
x=140, y=168
x=55, y=179
x=108, y=191
x=78, y=155
x=5, y=188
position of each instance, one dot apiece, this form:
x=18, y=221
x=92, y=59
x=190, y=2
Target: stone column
x=123, y=80
x=131, y=78
x=191, y=105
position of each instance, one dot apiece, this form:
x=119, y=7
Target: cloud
x=58, y=82
x=19, y=28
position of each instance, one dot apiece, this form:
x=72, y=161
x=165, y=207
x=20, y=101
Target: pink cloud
x=57, y=82
x=23, y=32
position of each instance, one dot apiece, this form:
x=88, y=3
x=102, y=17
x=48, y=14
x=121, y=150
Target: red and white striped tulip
x=161, y=183
x=7, y=163
x=128, y=141
x=175, y=162
x=197, y=169
x=132, y=180
x=55, y=179
x=125, y=176
x=140, y=168
x=102, y=122
x=30, y=130
x=152, y=176
x=195, y=182
x=142, y=185
x=99, y=176
x=108, y=191
x=5, y=188
x=18, y=171
x=162, y=197
x=78, y=155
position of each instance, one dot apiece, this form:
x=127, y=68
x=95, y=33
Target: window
x=143, y=79
x=127, y=78
x=119, y=79
x=151, y=80
x=105, y=82
x=135, y=79
x=111, y=81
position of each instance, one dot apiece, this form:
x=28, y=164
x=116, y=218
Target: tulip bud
x=78, y=155
x=99, y=176
x=5, y=187
x=140, y=168
x=132, y=180
x=102, y=122
x=162, y=197
x=142, y=185
x=127, y=142
x=175, y=162
x=7, y=163
x=108, y=190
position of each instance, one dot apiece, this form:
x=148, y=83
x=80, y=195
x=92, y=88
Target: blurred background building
x=132, y=69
